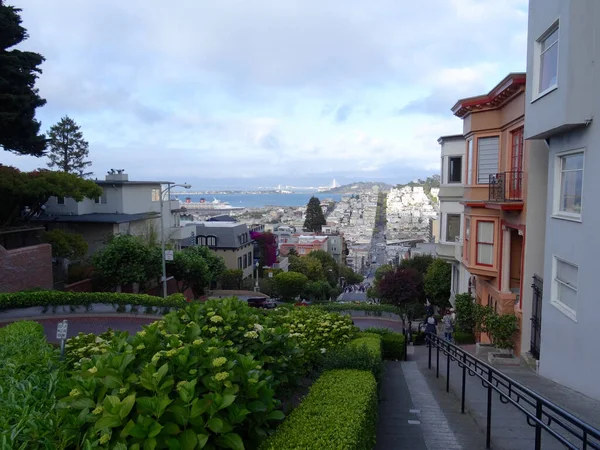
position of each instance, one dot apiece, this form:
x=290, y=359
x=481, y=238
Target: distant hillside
x=428, y=183
x=359, y=186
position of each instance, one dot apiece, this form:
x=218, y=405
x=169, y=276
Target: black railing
x=536, y=316
x=506, y=187
x=541, y=414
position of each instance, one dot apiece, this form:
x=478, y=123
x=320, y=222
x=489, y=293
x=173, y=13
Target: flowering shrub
x=339, y=412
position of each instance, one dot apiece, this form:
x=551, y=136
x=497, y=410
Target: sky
x=239, y=94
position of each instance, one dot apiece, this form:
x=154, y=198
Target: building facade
x=562, y=103
x=450, y=195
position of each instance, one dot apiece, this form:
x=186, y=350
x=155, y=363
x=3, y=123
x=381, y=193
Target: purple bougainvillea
x=267, y=244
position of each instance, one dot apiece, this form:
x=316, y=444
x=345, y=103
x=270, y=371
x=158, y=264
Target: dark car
x=261, y=302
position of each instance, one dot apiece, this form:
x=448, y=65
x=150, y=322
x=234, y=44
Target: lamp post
x=162, y=231
x=256, y=265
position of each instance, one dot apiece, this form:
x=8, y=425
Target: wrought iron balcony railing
x=506, y=187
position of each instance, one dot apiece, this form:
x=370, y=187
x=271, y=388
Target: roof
x=497, y=97
x=131, y=182
x=222, y=218
x=98, y=218
x=450, y=137
x=227, y=234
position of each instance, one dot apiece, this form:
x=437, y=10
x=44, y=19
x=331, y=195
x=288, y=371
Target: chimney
x=117, y=175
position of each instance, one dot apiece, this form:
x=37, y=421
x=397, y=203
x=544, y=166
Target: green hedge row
x=392, y=343
x=359, y=307
x=362, y=353
x=339, y=412
x=60, y=298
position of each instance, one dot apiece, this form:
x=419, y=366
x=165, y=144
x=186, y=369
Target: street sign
x=61, y=330
x=168, y=255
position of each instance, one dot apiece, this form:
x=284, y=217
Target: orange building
x=495, y=193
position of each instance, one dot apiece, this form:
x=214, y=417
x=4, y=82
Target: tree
x=293, y=252
x=331, y=269
x=310, y=267
x=437, y=282
x=191, y=270
x=314, y=215
x=317, y=290
x=419, y=262
x=350, y=276
x=65, y=245
x=216, y=266
x=125, y=259
x=289, y=285
x=68, y=149
x=19, y=131
x=20, y=190
x=232, y=278
x=402, y=288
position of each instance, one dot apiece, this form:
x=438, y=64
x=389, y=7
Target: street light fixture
x=162, y=231
x=256, y=265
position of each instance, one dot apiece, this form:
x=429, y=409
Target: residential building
x=449, y=246
x=561, y=104
x=304, y=244
x=495, y=192
x=230, y=240
x=125, y=207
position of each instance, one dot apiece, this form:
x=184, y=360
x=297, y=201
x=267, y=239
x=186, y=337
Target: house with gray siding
x=562, y=114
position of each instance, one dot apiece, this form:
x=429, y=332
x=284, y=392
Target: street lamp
x=256, y=266
x=162, y=231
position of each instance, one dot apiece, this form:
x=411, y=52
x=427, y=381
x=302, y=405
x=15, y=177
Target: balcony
x=446, y=250
x=505, y=191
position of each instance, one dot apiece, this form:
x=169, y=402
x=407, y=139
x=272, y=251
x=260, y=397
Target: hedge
x=339, y=412
x=392, y=343
x=460, y=337
x=60, y=298
x=362, y=353
x=360, y=307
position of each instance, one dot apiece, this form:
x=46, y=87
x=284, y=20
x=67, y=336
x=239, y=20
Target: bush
x=59, y=298
x=359, y=307
x=340, y=411
x=465, y=313
x=29, y=375
x=364, y=355
x=460, y=337
x=392, y=343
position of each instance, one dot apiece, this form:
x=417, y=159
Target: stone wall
x=26, y=268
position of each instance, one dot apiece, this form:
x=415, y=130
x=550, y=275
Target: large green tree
x=317, y=290
x=68, y=149
x=232, y=279
x=402, y=288
x=311, y=267
x=331, y=270
x=126, y=259
x=350, y=276
x=437, y=282
x=418, y=262
x=314, y=215
x=65, y=245
x=31, y=190
x=191, y=271
x=289, y=285
x=19, y=131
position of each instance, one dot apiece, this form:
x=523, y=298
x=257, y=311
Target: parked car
x=261, y=302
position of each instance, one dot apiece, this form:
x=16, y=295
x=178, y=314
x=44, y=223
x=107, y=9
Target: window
x=60, y=200
x=101, y=200
x=547, y=46
x=569, y=185
x=452, y=227
x=487, y=158
x=467, y=237
x=245, y=260
x=211, y=241
x=455, y=169
x=485, y=243
x=564, y=292
x=156, y=195
x=201, y=240
x=239, y=262
x=250, y=258
x=470, y=161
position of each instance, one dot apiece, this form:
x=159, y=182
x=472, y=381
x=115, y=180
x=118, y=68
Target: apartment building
x=449, y=245
x=230, y=240
x=496, y=201
x=125, y=207
x=561, y=105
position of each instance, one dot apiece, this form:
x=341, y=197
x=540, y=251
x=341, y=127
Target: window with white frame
x=201, y=240
x=455, y=169
x=467, y=237
x=211, y=241
x=564, y=292
x=60, y=200
x=485, y=243
x=547, y=49
x=569, y=184
x=452, y=227
x=156, y=195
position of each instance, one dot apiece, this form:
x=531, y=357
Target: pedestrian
x=448, y=322
x=430, y=327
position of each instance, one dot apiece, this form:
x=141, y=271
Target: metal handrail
x=540, y=412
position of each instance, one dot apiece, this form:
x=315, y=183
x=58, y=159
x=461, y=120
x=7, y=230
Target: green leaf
x=160, y=373
x=199, y=407
x=227, y=400
x=127, y=405
x=154, y=429
x=137, y=431
x=257, y=406
x=202, y=440
x=171, y=428
x=127, y=429
x=83, y=403
x=276, y=415
x=180, y=414
x=230, y=440
x=107, y=421
x=173, y=444
x=111, y=404
x=119, y=446
x=188, y=440
x=215, y=424
x=150, y=444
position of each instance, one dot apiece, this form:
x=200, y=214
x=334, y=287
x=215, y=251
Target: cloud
x=232, y=91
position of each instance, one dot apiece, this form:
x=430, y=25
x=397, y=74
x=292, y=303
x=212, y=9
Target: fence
x=540, y=413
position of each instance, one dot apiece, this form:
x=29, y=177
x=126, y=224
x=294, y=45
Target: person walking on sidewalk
x=430, y=325
x=448, y=322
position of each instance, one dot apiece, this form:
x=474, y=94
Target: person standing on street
x=448, y=321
